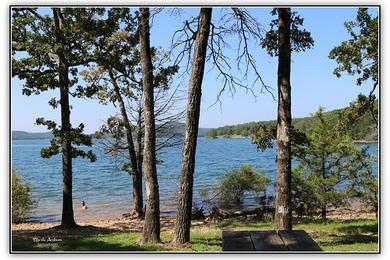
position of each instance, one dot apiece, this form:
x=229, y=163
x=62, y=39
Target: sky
x=312, y=80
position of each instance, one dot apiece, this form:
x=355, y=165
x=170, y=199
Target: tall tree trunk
x=136, y=174
x=324, y=190
x=183, y=219
x=67, y=220
x=283, y=188
x=151, y=229
x=67, y=202
x=139, y=135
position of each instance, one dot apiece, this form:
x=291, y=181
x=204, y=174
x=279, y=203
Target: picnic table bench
x=294, y=240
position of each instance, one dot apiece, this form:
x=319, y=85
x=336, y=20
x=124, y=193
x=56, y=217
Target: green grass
x=345, y=236
x=207, y=241
x=358, y=235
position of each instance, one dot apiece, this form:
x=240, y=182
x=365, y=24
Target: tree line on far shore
x=364, y=129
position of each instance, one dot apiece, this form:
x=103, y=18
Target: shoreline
x=168, y=221
x=248, y=137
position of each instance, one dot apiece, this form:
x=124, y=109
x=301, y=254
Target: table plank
x=267, y=241
x=236, y=241
x=298, y=240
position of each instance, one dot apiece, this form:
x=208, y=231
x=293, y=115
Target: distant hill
x=23, y=135
x=177, y=128
x=364, y=129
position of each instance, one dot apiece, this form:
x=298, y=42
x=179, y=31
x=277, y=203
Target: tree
x=283, y=216
x=51, y=49
x=198, y=35
x=287, y=38
x=331, y=169
x=359, y=55
x=151, y=229
x=117, y=79
x=183, y=220
x=329, y=163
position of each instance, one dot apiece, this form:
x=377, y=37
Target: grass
x=358, y=235
x=205, y=241
x=333, y=236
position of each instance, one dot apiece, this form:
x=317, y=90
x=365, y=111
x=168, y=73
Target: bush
x=235, y=183
x=22, y=201
x=303, y=196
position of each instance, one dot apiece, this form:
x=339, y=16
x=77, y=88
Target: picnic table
x=294, y=240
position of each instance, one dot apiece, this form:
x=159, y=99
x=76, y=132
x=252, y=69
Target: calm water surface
x=107, y=190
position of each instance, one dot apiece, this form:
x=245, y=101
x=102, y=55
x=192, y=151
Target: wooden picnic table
x=271, y=241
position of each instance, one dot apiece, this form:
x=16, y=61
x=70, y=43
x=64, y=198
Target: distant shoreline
x=248, y=137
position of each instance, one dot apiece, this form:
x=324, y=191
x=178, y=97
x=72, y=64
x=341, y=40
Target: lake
x=107, y=190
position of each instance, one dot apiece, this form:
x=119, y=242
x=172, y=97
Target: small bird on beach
x=83, y=205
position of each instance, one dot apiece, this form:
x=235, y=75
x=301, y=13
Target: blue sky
x=313, y=83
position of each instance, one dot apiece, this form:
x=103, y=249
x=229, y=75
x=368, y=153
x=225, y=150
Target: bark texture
x=183, y=220
x=151, y=228
x=135, y=171
x=323, y=172
x=67, y=220
x=283, y=186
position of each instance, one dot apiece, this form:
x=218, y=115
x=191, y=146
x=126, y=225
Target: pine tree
x=48, y=47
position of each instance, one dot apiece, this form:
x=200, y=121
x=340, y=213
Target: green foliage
x=235, y=183
x=243, y=130
x=328, y=165
x=76, y=136
x=361, y=125
x=304, y=201
x=332, y=169
x=365, y=188
x=22, y=201
x=34, y=36
x=359, y=55
x=47, y=52
x=300, y=38
x=265, y=135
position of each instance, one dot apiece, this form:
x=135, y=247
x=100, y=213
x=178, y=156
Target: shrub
x=235, y=183
x=22, y=201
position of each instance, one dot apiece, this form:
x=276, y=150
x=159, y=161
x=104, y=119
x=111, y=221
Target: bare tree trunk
x=283, y=187
x=151, y=229
x=136, y=174
x=139, y=135
x=183, y=219
x=323, y=206
x=67, y=220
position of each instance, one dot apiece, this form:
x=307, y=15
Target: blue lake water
x=107, y=190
